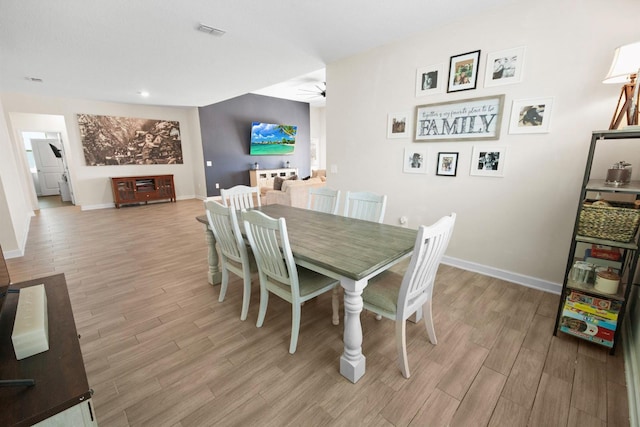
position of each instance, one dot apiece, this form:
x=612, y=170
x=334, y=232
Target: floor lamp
x=624, y=69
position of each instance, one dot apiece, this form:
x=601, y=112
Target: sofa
x=294, y=192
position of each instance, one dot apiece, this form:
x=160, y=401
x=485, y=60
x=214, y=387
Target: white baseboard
x=94, y=207
x=521, y=279
x=113, y=205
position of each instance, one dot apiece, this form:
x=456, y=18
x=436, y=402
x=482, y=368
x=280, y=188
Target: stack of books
x=591, y=318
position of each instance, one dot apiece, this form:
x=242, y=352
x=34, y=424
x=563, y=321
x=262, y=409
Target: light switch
x=209, y=163
x=334, y=168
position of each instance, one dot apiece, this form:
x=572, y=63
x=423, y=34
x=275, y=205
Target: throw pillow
x=277, y=183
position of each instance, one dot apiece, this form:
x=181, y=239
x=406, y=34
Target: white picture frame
x=414, y=160
x=398, y=125
x=487, y=160
x=531, y=115
x=504, y=67
x=430, y=80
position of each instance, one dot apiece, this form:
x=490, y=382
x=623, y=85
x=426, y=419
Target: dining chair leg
x=246, y=297
x=264, y=300
x=335, y=305
x=401, y=344
x=295, y=326
x=223, y=284
x=428, y=322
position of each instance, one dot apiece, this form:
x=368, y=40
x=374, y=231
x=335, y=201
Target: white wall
x=15, y=212
x=520, y=224
x=318, y=131
x=91, y=184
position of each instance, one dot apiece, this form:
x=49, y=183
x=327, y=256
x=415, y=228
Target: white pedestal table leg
x=352, y=361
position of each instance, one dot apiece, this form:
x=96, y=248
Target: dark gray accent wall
x=226, y=138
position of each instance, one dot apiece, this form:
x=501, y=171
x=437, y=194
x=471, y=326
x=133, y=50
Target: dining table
x=347, y=249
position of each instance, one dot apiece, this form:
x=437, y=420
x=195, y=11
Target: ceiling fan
x=318, y=91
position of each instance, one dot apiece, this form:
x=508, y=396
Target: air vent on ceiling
x=34, y=79
x=211, y=30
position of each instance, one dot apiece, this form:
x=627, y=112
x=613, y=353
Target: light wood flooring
x=160, y=350
x=55, y=201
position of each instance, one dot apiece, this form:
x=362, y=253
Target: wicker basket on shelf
x=618, y=222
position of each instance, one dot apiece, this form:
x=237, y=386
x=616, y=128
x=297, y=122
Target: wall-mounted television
x=269, y=139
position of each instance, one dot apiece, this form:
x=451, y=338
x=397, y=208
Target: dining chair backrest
x=224, y=224
x=323, y=199
x=277, y=270
x=234, y=254
x=269, y=241
x=241, y=197
x=365, y=205
x=418, y=280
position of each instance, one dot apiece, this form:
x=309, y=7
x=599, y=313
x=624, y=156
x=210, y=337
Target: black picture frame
x=447, y=164
x=463, y=71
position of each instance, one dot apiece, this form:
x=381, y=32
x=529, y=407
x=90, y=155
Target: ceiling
x=111, y=50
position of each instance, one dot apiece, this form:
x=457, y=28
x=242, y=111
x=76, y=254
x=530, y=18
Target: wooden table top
x=61, y=381
x=349, y=247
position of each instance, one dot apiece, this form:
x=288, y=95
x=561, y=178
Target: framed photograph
x=447, y=164
x=530, y=115
x=504, y=67
x=466, y=119
x=430, y=80
x=398, y=125
x=488, y=161
x=463, y=71
x=415, y=160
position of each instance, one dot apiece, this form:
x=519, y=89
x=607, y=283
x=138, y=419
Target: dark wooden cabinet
x=138, y=189
x=61, y=394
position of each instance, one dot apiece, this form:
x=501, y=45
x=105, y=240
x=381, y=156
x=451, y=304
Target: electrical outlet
x=403, y=220
x=209, y=163
x=217, y=185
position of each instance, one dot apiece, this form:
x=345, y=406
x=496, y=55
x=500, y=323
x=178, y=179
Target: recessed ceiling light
x=210, y=30
x=34, y=79
x=143, y=93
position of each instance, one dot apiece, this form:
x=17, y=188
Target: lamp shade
x=626, y=61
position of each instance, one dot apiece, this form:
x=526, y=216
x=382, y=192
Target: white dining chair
x=323, y=199
x=277, y=270
x=235, y=257
x=365, y=205
x=397, y=297
x=241, y=197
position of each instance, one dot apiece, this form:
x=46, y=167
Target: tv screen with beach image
x=272, y=139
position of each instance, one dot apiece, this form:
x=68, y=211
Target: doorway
x=45, y=157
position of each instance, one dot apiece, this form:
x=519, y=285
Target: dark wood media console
x=138, y=189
